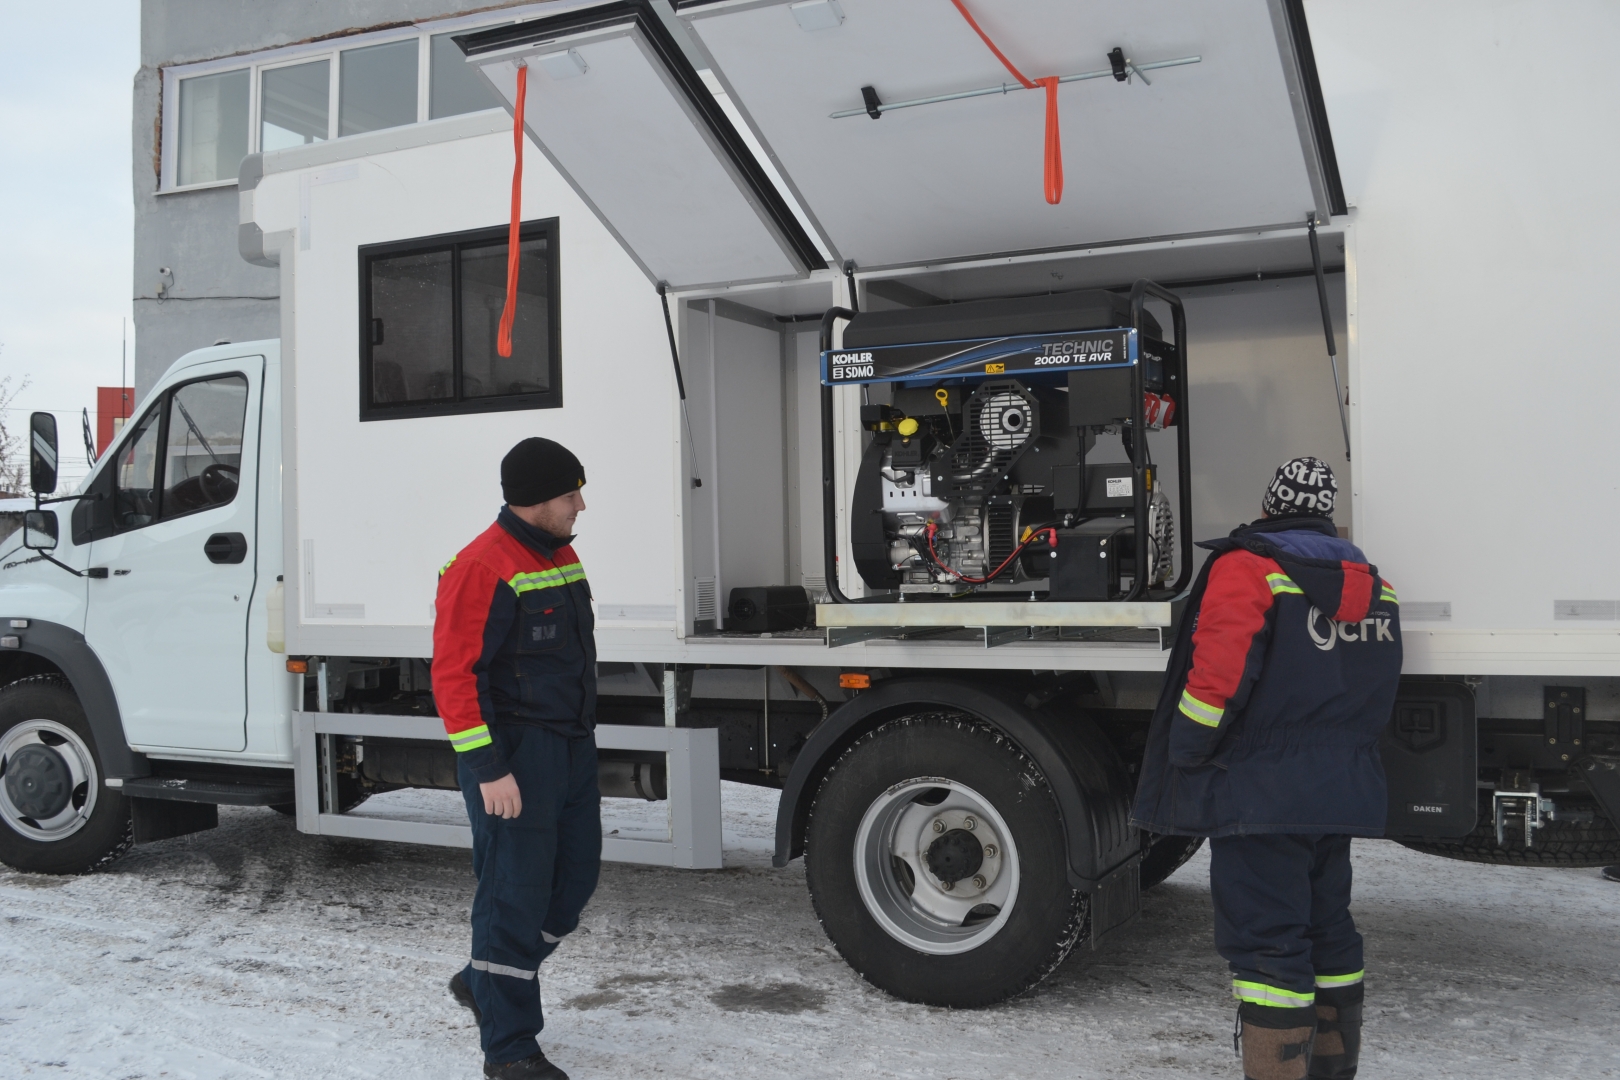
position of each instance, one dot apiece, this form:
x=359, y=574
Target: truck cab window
x=135, y=495
x=203, y=447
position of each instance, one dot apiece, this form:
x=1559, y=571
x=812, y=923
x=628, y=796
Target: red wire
x=503, y=341
x=932, y=554
x=1053, y=172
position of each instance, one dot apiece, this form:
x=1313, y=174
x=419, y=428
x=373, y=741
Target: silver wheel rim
x=81, y=765
x=891, y=846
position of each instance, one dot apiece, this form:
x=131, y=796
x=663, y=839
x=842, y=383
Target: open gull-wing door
x=622, y=113
x=1233, y=138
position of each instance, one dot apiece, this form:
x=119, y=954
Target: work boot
x=1276, y=1041
x=1611, y=873
x=464, y=997
x=1338, y=1033
x=530, y=1068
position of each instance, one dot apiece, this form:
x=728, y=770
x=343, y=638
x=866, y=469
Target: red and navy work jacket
x=1282, y=679
x=513, y=641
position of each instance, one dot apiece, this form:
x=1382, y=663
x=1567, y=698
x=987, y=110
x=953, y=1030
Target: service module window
x=430, y=313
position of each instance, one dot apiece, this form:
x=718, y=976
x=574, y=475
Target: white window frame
x=257, y=63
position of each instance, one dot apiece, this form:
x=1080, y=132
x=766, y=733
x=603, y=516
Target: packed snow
x=254, y=951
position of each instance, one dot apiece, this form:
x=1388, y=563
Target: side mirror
x=39, y=530
x=42, y=456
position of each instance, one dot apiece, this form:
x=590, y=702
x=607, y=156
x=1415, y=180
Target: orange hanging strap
x=503, y=342
x=1054, y=144
x=1054, y=148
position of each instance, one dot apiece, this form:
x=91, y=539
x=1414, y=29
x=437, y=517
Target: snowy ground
x=253, y=951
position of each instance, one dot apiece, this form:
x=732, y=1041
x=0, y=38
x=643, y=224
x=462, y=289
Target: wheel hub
x=954, y=856
x=50, y=780
x=936, y=866
x=38, y=782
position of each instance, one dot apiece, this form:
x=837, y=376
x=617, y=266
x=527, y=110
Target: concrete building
x=220, y=79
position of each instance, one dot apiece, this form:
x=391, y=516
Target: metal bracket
x=1564, y=721
x=693, y=768
x=677, y=692
x=851, y=635
x=1522, y=800
x=1005, y=635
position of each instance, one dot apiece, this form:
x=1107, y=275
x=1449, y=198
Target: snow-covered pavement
x=253, y=951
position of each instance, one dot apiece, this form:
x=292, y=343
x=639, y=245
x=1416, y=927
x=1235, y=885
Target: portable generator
x=975, y=481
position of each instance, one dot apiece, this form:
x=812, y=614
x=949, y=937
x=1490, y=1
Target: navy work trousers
x=535, y=873
x=1282, y=916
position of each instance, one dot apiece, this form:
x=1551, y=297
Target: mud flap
x=160, y=819
x=1602, y=775
x=1116, y=902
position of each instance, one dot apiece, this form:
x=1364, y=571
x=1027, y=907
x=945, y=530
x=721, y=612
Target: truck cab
x=146, y=596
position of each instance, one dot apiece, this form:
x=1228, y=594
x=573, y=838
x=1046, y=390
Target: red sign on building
x=113, y=406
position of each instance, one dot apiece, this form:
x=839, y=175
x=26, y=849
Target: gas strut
x=1327, y=330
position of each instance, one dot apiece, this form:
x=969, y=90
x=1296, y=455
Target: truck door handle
x=226, y=548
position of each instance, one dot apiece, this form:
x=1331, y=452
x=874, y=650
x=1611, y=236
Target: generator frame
x=1004, y=622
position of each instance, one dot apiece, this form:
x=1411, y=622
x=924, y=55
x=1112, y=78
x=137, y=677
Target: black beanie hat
x=1304, y=485
x=539, y=470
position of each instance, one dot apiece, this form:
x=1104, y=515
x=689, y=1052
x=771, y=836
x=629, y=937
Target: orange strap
x=503, y=341
x=1054, y=147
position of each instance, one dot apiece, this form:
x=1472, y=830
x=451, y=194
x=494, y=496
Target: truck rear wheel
x=1165, y=855
x=936, y=863
x=56, y=815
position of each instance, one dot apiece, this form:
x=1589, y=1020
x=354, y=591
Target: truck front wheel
x=936, y=863
x=56, y=815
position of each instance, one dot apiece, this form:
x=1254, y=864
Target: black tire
x=105, y=833
x=1566, y=844
x=1044, y=919
x=1165, y=855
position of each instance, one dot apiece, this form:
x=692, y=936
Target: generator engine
x=976, y=477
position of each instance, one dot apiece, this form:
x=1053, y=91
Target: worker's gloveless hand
x=501, y=798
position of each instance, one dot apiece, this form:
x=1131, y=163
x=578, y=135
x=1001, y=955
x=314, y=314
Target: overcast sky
x=65, y=211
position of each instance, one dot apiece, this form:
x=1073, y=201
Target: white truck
x=826, y=555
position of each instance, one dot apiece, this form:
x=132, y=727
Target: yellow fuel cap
x=908, y=427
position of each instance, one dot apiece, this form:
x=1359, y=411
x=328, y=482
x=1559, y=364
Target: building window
x=213, y=127
x=293, y=105
x=213, y=117
x=430, y=319
x=455, y=87
x=378, y=87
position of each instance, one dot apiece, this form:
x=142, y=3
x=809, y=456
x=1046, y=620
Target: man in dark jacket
x=514, y=678
x=1266, y=740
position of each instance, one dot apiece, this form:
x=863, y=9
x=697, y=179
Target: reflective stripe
x=1282, y=583
x=547, y=579
x=1327, y=981
x=548, y=939
x=447, y=565
x=1261, y=994
x=471, y=739
x=502, y=969
x=1198, y=712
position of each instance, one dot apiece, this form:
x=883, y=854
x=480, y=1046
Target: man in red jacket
x=1266, y=740
x=514, y=678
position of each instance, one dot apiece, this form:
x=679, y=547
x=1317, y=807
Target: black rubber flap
x=1053, y=313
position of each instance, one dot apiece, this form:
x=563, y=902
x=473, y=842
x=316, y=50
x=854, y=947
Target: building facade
x=220, y=80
